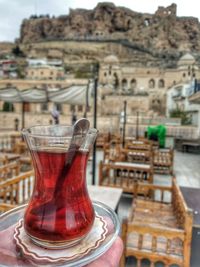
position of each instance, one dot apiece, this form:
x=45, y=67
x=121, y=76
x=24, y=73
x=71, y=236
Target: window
x=151, y=84
x=44, y=107
x=58, y=107
x=80, y=108
x=146, y=22
x=124, y=84
x=110, y=70
x=116, y=81
x=72, y=108
x=8, y=107
x=161, y=83
x=133, y=83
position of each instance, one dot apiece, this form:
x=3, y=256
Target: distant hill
x=6, y=48
x=162, y=35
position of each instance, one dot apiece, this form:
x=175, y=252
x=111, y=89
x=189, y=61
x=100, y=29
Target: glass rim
x=26, y=131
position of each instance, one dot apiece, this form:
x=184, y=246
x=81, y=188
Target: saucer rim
x=103, y=209
x=34, y=256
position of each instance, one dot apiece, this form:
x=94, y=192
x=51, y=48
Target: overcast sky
x=12, y=12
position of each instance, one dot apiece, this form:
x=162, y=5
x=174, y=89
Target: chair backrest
x=139, y=145
x=139, y=156
x=124, y=175
x=156, y=193
x=18, y=189
x=183, y=213
x=9, y=170
x=3, y=160
x=164, y=155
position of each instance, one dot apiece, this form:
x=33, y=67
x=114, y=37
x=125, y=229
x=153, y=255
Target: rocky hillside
x=162, y=31
x=6, y=49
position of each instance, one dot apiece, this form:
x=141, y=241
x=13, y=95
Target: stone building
x=45, y=72
x=143, y=87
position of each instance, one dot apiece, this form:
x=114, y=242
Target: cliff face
x=162, y=31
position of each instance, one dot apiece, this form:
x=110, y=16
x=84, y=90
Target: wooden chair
x=124, y=175
x=9, y=170
x=137, y=156
x=5, y=144
x=20, y=147
x=163, y=161
x=17, y=190
x=26, y=163
x=111, y=151
x=3, y=160
x=143, y=144
x=159, y=227
x=5, y=207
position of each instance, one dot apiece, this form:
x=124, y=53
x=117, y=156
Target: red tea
x=60, y=208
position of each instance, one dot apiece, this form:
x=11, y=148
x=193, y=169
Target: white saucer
x=97, y=241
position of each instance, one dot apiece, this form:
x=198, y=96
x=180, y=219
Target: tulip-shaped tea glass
x=60, y=212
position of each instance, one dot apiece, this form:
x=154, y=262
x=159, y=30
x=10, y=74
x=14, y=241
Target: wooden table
x=192, y=199
x=107, y=195
x=187, y=145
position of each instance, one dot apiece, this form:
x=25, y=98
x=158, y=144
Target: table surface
x=190, y=144
x=192, y=199
x=107, y=195
x=130, y=164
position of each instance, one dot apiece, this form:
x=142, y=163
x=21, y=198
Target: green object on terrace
x=157, y=133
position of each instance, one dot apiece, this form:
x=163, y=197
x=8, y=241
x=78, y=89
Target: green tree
x=183, y=115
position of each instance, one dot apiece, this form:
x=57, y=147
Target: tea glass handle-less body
x=60, y=212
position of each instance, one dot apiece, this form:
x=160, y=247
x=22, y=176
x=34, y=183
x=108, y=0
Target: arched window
x=124, y=84
x=151, y=84
x=105, y=74
x=161, y=83
x=116, y=81
x=133, y=84
x=110, y=70
x=183, y=74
